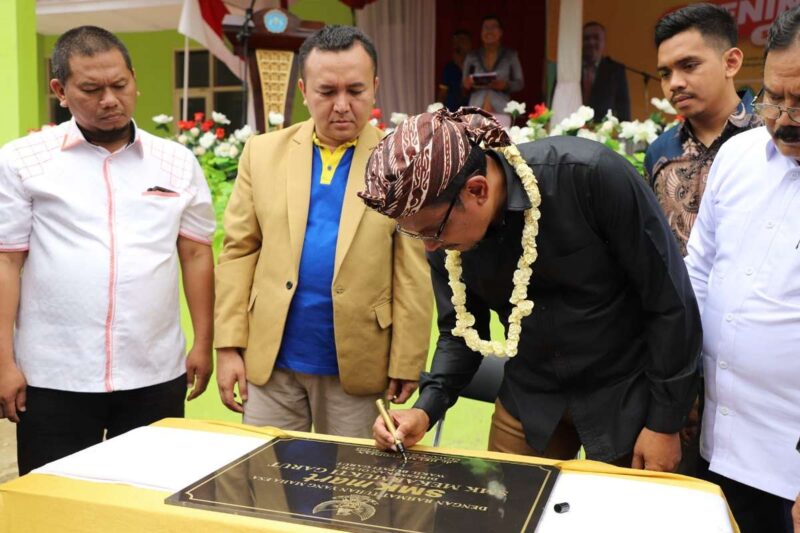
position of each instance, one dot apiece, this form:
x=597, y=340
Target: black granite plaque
x=362, y=489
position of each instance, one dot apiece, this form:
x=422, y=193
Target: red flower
x=538, y=111
x=207, y=125
x=376, y=113
x=198, y=117
x=185, y=125
x=381, y=126
x=680, y=118
x=220, y=133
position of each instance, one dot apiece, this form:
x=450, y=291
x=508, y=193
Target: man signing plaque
x=564, y=240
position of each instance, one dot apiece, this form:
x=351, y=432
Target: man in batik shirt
x=697, y=62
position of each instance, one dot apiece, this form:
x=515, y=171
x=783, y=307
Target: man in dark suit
x=603, y=80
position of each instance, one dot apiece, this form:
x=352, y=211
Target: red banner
x=754, y=17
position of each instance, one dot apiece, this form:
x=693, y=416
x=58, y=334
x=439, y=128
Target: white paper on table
x=600, y=503
x=154, y=458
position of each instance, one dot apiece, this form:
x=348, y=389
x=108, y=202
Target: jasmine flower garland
x=522, y=276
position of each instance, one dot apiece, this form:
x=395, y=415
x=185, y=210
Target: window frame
x=207, y=93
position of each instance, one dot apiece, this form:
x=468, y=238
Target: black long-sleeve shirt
x=614, y=335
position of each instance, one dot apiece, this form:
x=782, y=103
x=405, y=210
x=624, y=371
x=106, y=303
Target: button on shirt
x=744, y=262
x=99, y=304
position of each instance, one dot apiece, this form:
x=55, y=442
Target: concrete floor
x=8, y=450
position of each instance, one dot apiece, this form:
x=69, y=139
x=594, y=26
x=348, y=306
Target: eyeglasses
x=774, y=111
x=469, y=169
x=436, y=237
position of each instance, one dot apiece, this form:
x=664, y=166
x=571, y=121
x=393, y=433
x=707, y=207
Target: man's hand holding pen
x=411, y=427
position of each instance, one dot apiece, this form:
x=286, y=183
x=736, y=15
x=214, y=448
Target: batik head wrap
x=414, y=165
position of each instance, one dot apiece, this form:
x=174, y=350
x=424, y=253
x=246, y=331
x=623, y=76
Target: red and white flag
x=201, y=20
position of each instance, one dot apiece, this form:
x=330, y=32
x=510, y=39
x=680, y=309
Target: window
x=212, y=87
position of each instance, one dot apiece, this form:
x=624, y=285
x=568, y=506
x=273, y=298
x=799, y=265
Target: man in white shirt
x=99, y=213
x=744, y=262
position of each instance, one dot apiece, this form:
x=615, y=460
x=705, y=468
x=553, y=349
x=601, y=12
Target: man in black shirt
x=608, y=356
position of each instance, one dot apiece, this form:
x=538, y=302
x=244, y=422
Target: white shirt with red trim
x=99, y=305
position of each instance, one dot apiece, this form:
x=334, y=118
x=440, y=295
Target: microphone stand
x=646, y=77
x=244, y=38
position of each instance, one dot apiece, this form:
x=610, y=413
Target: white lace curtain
x=404, y=33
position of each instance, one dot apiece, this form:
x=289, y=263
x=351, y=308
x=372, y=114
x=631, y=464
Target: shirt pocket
x=161, y=194
x=156, y=214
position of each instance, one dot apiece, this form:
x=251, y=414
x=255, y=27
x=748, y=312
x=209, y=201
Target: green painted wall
x=329, y=11
x=19, y=74
x=152, y=55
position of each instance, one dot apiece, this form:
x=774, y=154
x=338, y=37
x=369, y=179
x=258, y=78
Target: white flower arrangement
x=243, y=133
x=609, y=125
x=663, y=105
x=434, y=107
x=637, y=131
x=162, y=119
x=220, y=118
x=588, y=134
x=629, y=138
x=574, y=122
x=275, y=119
x=514, y=108
x=223, y=149
x=520, y=135
x=207, y=140
x=398, y=118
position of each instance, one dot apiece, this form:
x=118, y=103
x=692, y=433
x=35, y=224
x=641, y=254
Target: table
x=120, y=485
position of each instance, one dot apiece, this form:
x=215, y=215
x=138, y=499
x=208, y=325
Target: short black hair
x=494, y=18
x=336, y=38
x=712, y=21
x=462, y=33
x=84, y=41
x=594, y=23
x=784, y=32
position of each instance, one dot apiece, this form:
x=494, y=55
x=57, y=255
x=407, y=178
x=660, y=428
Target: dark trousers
x=755, y=511
x=690, y=448
x=59, y=423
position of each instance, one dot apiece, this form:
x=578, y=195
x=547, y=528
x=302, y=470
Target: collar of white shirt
x=772, y=151
x=74, y=137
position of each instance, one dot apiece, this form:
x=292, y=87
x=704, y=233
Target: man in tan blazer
x=320, y=306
